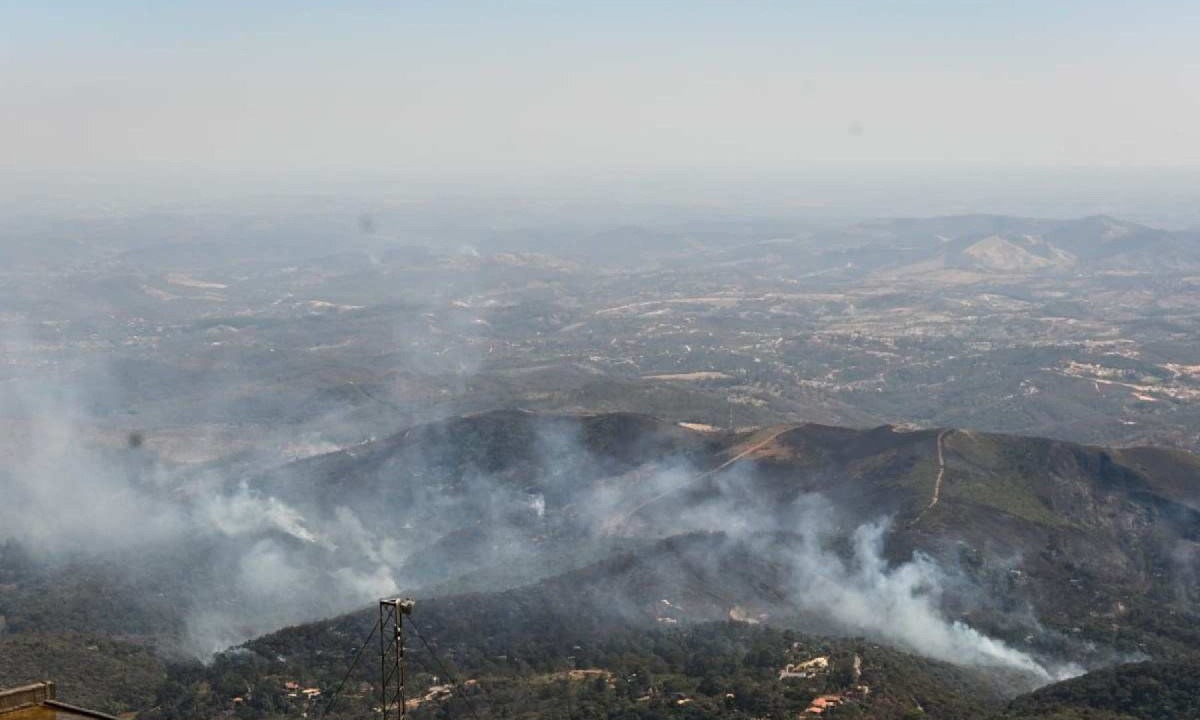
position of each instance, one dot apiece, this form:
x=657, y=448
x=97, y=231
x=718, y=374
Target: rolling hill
x=1017, y=560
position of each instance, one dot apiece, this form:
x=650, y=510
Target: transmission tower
x=391, y=656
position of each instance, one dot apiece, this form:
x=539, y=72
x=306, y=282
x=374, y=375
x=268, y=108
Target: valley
x=599, y=360
x=626, y=471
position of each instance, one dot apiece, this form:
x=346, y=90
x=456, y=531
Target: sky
x=573, y=88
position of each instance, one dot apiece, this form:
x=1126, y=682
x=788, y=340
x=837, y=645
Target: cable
x=445, y=671
x=353, y=664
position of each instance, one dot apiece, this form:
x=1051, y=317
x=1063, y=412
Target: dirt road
x=937, y=483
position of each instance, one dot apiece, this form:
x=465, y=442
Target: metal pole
x=391, y=655
x=382, y=665
x=400, y=661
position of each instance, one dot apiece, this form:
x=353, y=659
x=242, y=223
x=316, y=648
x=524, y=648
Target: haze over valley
x=779, y=422
x=600, y=361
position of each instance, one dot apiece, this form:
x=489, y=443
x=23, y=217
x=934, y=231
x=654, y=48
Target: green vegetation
x=714, y=670
x=1003, y=473
x=94, y=671
x=1144, y=691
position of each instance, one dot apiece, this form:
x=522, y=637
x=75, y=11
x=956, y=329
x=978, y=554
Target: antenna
x=391, y=656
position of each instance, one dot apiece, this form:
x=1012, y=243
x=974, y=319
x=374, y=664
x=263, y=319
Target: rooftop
x=38, y=701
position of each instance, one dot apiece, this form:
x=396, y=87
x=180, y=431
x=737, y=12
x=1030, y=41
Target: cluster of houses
x=817, y=667
x=294, y=690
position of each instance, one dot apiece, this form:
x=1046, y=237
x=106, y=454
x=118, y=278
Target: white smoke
x=60, y=492
x=537, y=503
x=266, y=571
x=247, y=512
x=855, y=589
x=70, y=489
x=898, y=603
x=275, y=565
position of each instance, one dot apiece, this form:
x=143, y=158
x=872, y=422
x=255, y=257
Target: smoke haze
x=263, y=562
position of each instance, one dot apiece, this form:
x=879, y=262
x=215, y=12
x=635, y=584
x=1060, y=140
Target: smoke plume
x=264, y=558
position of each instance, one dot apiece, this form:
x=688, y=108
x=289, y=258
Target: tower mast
x=391, y=656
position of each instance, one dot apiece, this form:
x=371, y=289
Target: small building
x=39, y=701
x=808, y=669
x=822, y=703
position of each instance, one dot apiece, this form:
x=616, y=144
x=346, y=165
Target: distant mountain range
x=164, y=378
x=989, y=244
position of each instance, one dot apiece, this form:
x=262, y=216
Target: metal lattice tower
x=391, y=656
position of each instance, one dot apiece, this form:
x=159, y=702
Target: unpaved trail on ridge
x=937, y=483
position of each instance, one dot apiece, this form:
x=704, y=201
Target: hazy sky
x=531, y=87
